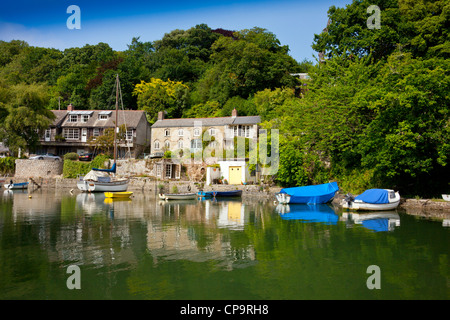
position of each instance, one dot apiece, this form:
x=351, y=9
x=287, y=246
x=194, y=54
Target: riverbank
x=421, y=207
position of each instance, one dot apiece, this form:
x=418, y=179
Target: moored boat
x=446, y=197
x=314, y=194
x=121, y=195
x=177, y=196
x=372, y=200
x=205, y=194
x=232, y=193
x=16, y=186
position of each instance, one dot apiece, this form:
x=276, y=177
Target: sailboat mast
x=117, y=113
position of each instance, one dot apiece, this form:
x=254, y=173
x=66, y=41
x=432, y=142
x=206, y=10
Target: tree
x=26, y=118
x=158, y=95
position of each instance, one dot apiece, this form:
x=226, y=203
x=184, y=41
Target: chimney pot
x=161, y=115
x=234, y=113
x=70, y=107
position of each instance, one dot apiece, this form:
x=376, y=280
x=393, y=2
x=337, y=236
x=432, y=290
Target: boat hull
x=363, y=206
x=178, y=196
x=285, y=198
x=118, y=195
x=446, y=197
x=235, y=193
x=16, y=186
x=94, y=186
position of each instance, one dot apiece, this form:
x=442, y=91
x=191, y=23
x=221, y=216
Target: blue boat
x=15, y=186
x=315, y=194
x=219, y=194
x=205, y=194
x=320, y=213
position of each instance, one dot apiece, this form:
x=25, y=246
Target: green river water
x=214, y=250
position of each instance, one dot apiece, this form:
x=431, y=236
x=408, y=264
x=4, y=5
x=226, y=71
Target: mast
x=117, y=113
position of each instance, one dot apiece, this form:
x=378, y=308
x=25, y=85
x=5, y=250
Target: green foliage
x=71, y=156
x=7, y=165
x=72, y=169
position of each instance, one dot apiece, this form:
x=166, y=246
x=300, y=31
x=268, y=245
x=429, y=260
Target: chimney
x=234, y=113
x=70, y=107
x=161, y=115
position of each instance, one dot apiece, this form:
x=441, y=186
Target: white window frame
x=158, y=169
x=129, y=135
x=84, y=118
x=212, y=132
x=73, y=118
x=180, y=132
x=96, y=132
x=197, y=132
x=71, y=133
x=157, y=145
x=167, y=144
x=168, y=171
x=166, y=132
x=180, y=144
x=102, y=117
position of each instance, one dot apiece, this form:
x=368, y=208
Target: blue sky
x=43, y=23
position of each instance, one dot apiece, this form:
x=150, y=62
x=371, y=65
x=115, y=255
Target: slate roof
x=209, y=122
x=129, y=117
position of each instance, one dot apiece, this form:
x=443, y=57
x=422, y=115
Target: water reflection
x=321, y=213
x=378, y=221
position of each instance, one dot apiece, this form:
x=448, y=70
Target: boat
x=372, y=200
x=205, y=194
x=314, y=194
x=177, y=196
x=16, y=186
x=219, y=194
x=233, y=193
x=100, y=180
x=121, y=195
x=446, y=197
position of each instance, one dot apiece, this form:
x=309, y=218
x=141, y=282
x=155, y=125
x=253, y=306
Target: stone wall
x=38, y=168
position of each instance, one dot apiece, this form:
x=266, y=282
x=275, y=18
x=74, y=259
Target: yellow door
x=235, y=175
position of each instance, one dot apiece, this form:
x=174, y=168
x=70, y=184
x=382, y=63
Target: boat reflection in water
x=379, y=221
x=309, y=213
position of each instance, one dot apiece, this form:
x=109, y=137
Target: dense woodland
x=375, y=112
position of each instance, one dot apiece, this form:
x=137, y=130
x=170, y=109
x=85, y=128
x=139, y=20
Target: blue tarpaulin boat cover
x=113, y=169
x=321, y=193
x=374, y=196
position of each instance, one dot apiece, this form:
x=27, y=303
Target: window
x=84, y=118
x=47, y=134
x=129, y=134
x=180, y=132
x=156, y=145
x=158, y=170
x=71, y=133
x=196, y=132
x=167, y=144
x=73, y=118
x=212, y=132
x=166, y=133
x=168, y=171
x=180, y=144
x=102, y=117
x=96, y=132
x=196, y=144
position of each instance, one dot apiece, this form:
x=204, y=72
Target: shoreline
x=421, y=207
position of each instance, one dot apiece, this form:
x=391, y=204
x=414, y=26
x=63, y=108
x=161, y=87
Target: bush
x=71, y=156
x=7, y=165
x=74, y=168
